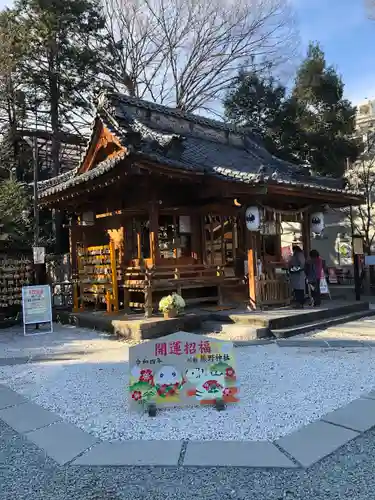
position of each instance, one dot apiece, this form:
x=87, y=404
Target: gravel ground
x=64, y=339
x=281, y=390
x=25, y=474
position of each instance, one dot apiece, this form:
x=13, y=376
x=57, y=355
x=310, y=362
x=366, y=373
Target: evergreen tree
x=254, y=101
x=327, y=120
x=15, y=227
x=64, y=46
x=260, y=104
x=60, y=66
x=314, y=125
x=12, y=102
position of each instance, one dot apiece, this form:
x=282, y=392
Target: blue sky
x=347, y=36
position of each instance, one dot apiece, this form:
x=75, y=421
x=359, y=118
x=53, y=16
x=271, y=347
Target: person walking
x=298, y=276
x=314, y=268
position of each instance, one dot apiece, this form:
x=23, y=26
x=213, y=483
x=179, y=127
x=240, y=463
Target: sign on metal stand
x=182, y=369
x=36, y=308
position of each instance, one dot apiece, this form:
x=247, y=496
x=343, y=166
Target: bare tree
x=186, y=53
x=370, y=8
x=361, y=177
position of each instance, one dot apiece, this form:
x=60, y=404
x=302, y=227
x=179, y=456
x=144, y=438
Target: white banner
x=39, y=254
x=324, y=286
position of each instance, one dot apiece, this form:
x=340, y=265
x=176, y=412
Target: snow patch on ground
x=282, y=389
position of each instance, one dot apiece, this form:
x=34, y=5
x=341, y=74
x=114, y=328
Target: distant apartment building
x=365, y=118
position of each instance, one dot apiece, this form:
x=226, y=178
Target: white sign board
x=39, y=255
x=370, y=260
x=36, y=307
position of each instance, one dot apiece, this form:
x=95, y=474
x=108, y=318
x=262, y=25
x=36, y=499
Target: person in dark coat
x=297, y=275
x=314, y=269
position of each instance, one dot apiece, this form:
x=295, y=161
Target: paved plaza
x=39, y=446
x=27, y=474
x=67, y=444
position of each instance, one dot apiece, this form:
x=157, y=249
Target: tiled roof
x=193, y=143
x=75, y=180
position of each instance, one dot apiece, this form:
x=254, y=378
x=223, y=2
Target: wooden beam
x=170, y=171
x=63, y=137
x=309, y=195
x=230, y=190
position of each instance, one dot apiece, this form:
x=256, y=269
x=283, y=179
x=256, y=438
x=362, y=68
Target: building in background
x=365, y=119
x=335, y=244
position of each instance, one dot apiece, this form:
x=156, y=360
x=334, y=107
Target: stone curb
x=66, y=444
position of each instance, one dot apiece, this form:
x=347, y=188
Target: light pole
x=38, y=257
x=357, y=250
x=35, y=191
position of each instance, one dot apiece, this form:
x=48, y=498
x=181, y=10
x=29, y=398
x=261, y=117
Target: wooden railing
x=273, y=291
x=171, y=279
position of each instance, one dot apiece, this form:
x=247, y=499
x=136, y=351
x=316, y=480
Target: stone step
x=320, y=325
x=242, y=333
x=285, y=318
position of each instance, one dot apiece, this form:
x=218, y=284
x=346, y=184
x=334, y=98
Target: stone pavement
x=27, y=474
x=67, y=444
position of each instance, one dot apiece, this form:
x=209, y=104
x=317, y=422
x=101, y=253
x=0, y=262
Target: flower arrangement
x=172, y=302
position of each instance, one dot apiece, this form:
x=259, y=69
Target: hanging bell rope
x=286, y=212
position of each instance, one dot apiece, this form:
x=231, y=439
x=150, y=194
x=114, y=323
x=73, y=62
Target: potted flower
x=171, y=305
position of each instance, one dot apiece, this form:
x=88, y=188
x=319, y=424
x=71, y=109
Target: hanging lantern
x=317, y=222
x=252, y=218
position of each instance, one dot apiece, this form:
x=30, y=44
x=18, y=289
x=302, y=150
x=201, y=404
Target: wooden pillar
x=203, y=239
x=222, y=240
x=73, y=241
x=114, y=298
x=154, y=230
x=306, y=233
x=126, y=227
x=212, y=254
x=148, y=292
x=139, y=242
x=252, y=265
x=234, y=239
x=196, y=238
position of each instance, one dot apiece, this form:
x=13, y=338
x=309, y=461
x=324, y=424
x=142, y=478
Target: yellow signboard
x=182, y=369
